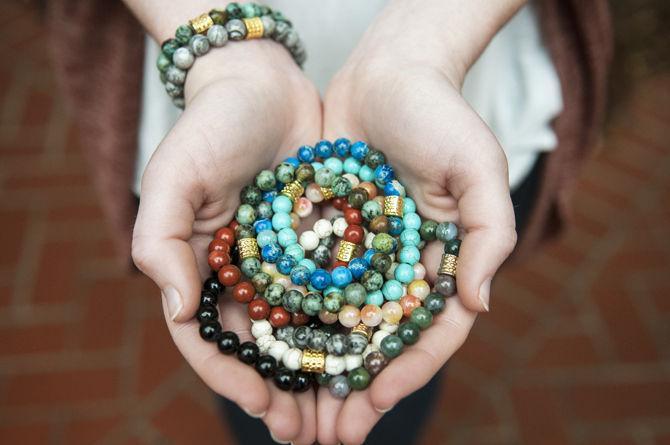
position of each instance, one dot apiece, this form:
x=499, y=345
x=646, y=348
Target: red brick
x=25, y=434
x=19, y=340
x=57, y=273
x=202, y=422
x=541, y=418
x=88, y=431
x=569, y=351
x=620, y=401
x=159, y=357
x=104, y=315
x=12, y=235
x=508, y=317
x=38, y=108
x=75, y=213
x=47, y=181
x=481, y=354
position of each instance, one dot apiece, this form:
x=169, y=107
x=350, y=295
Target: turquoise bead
x=317, y=165
x=330, y=289
x=409, y=255
x=408, y=206
x=411, y=221
x=352, y=166
x=282, y=204
x=410, y=237
x=296, y=251
x=366, y=174
x=392, y=290
x=404, y=273
x=266, y=237
x=281, y=221
x=334, y=164
x=309, y=264
x=248, y=10
x=286, y=236
x=375, y=298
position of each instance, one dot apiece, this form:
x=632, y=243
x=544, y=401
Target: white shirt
x=513, y=85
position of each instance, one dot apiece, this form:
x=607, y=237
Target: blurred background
x=575, y=349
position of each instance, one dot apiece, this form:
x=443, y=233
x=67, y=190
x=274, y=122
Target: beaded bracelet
x=288, y=287
x=247, y=21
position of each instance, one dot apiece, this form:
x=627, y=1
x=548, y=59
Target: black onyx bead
x=302, y=381
x=452, y=246
x=207, y=297
x=228, y=342
x=266, y=366
x=248, y=352
x=210, y=330
x=212, y=284
x=284, y=379
x=207, y=313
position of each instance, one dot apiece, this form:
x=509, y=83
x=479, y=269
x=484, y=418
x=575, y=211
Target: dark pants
x=403, y=424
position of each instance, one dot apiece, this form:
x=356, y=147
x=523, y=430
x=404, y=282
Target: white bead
x=292, y=359
x=352, y=178
x=353, y=361
x=261, y=328
x=264, y=343
x=277, y=349
x=339, y=226
x=335, y=365
x=309, y=240
x=391, y=328
x=183, y=58
x=370, y=348
x=368, y=240
x=378, y=336
x=323, y=228
x=419, y=271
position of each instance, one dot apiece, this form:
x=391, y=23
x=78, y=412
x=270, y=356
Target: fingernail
x=384, y=411
x=254, y=415
x=277, y=440
x=485, y=293
x=174, y=301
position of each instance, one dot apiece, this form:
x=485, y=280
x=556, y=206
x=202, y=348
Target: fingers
x=357, y=418
x=327, y=411
x=283, y=417
x=307, y=405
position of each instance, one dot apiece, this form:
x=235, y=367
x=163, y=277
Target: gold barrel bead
x=362, y=329
x=448, y=265
x=248, y=248
x=346, y=251
x=313, y=361
x=254, y=28
x=201, y=23
x=327, y=193
x=393, y=206
x=293, y=190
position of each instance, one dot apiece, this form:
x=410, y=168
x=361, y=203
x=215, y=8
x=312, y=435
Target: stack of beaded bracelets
x=311, y=317
x=236, y=22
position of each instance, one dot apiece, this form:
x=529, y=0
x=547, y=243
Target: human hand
x=247, y=108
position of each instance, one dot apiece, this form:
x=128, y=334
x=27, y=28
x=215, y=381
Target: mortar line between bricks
x=26, y=268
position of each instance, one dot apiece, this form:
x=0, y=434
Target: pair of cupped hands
x=248, y=107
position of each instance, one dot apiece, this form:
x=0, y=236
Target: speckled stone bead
x=357, y=344
x=446, y=231
x=452, y=246
x=408, y=332
x=324, y=177
x=339, y=386
x=384, y=243
x=355, y=294
x=183, y=58
x=312, y=303
x=301, y=336
x=434, y=302
x=341, y=186
x=391, y=346
x=292, y=300
x=304, y=173
x=371, y=210
x=261, y=281
x=372, y=280
x=162, y=63
x=445, y=285
x=183, y=34
x=245, y=214
x=334, y=301
x=173, y=90
x=317, y=340
x=358, y=197
x=217, y=36
x=428, y=230
x=381, y=262
x=218, y=16
x=374, y=158
x=337, y=344
x=252, y=195
x=236, y=29
x=199, y=45
x=422, y=317
x=359, y=378
x=285, y=334
x=274, y=294
x=268, y=25
x=285, y=172
x=375, y=362
x=265, y=180
x=175, y=75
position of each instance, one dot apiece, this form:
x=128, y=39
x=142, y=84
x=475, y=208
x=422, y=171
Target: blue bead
x=271, y=252
x=366, y=173
x=296, y=251
x=306, y=153
x=411, y=221
x=396, y=225
x=341, y=147
x=266, y=237
x=323, y=149
x=367, y=256
x=300, y=275
x=262, y=224
x=320, y=279
x=376, y=298
x=409, y=255
x=408, y=205
x=404, y=273
x=384, y=174
x=352, y=166
x=286, y=236
x=282, y=204
x=410, y=237
x=335, y=164
x=309, y=264
x=295, y=162
x=357, y=267
x=359, y=150
x=281, y=221
x=341, y=276
x=392, y=290
x=394, y=188
x=285, y=264
x=269, y=196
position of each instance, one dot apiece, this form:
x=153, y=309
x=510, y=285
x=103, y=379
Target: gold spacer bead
x=393, y=206
x=327, y=193
x=362, y=329
x=248, y=248
x=448, y=265
x=293, y=190
x=201, y=23
x=254, y=28
x=346, y=251
x=313, y=361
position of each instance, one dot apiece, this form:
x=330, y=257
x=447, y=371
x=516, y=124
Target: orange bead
x=229, y=275
x=419, y=288
x=370, y=188
x=244, y=292
x=226, y=234
x=217, y=259
x=409, y=303
x=392, y=312
x=371, y=315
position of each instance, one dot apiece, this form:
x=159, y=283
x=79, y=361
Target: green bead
x=293, y=300
x=355, y=294
x=324, y=177
x=358, y=197
x=409, y=332
x=422, y=317
x=446, y=231
x=391, y=346
x=285, y=172
x=163, y=62
x=434, y=302
x=252, y=195
x=372, y=280
x=381, y=262
x=244, y=231
x=359, y=378
x=312, y=304
x=245, y=214
x=265, y=10
x=427, y=230
x=234, y=11
x=183, y=34
x=333, y=302
x=341, y=186
x=169, y=47
x=218, y=16
x=264, y=210
x=374, y=159
x=249, y=10
x=371, y=210
x=261, y=281
x=274, y=294
x=304, y=173
x=265, y=180
x=452, y=246
x=323, y=379
x=250, y=267
x=384, y=243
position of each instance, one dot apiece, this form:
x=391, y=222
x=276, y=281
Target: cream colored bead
x=309, y=240
x=391, y=328
x=261, y=328
x=277, y=350
x=282, y=279
x=264, y=343
x=353, y=361
x=368, y=240
x=323, y=228
x=292, y=359
x=378, y=336
x=335, y=365
x=339, y=226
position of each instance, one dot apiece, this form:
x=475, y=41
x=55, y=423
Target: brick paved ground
x=575, y=350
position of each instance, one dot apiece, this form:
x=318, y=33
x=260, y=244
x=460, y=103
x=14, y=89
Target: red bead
x=244, y=292
x=233, y=224
x=346, y=205
x=354, y=234
x=217, y=259
x=353, y=216
x=279, y=317
x=226, y=234
x=338, y=203
x=339, y=263
x=218, y=244
x=258, y=309
x=299, y=319
x=229, y=275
